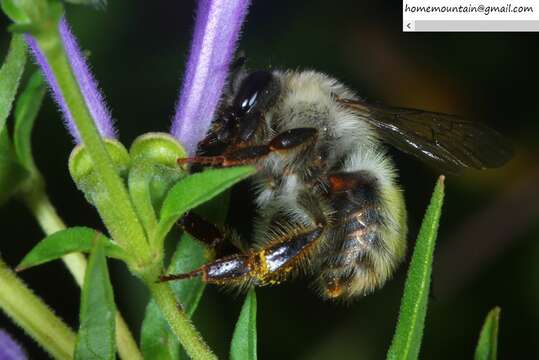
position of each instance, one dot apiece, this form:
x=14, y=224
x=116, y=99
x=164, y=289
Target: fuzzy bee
x=327, y=195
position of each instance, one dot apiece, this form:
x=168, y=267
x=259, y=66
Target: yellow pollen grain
x=262, y=268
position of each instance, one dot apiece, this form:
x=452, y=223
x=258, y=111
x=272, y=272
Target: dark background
x=488, y=247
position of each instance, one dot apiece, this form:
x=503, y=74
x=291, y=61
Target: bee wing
x=445, y=141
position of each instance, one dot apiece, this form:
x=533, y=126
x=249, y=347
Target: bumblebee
x=327, y=195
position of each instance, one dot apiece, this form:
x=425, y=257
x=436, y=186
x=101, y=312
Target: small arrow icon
x=409, y=26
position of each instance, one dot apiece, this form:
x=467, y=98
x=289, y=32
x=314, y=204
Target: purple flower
x=87, y=84
x=9, y=349
x=218, y=24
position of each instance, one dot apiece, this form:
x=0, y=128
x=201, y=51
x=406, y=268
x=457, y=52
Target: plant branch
x=31, y=314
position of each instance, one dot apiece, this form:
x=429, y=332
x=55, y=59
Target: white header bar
x=470, y=15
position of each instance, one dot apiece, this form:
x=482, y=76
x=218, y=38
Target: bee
x=328, y=200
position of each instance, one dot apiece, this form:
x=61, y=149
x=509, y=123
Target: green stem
x=31, y=314
x=127, y=347
x=35, y=198
x=41, y=207
x=121, y=218
x=179, y=322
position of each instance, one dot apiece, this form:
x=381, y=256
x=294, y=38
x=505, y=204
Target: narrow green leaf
x=96, y=336
x=196, y=189
x=487, y=347
x=10, y=75
x=199, y=188
x=157, y=340
x=26, y=109
x=75, y=239
x=12, y=173
x=243, y=346
x=409, y=332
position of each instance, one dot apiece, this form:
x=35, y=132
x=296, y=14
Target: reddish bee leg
x=202, y=230
x=266, y=266
x=285, y=141
x=223, y=242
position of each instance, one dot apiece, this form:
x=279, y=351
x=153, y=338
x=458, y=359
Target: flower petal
x=87, y=83
x=92, y=96
x=9, y=348
x=217, y=29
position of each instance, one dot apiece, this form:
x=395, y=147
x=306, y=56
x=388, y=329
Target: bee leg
x=266, y=266
x=201, y=229
x=285, y=141
x=209, y=234
x=222, y=270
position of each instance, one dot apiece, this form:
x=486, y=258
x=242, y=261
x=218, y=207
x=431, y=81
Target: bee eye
x=255, y=91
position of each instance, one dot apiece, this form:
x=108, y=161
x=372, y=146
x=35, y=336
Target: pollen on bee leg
x=259, y=265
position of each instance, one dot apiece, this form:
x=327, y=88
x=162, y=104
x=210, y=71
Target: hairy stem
x=50, y=222
x=179, y=322
x=121, y=218
x=31, y=314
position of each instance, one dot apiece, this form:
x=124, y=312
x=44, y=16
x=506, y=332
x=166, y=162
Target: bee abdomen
x=363, y=252
x=351, y=262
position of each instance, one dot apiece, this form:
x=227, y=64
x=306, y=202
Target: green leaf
x=407, y=339
x=243, y=345
x=10, y=75
x=12, y=173
x=196, y=189
x=96, y=336
x=26, y=109
x=487, y=347
x=75, y=239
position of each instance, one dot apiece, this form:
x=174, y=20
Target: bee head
x=255, y=94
